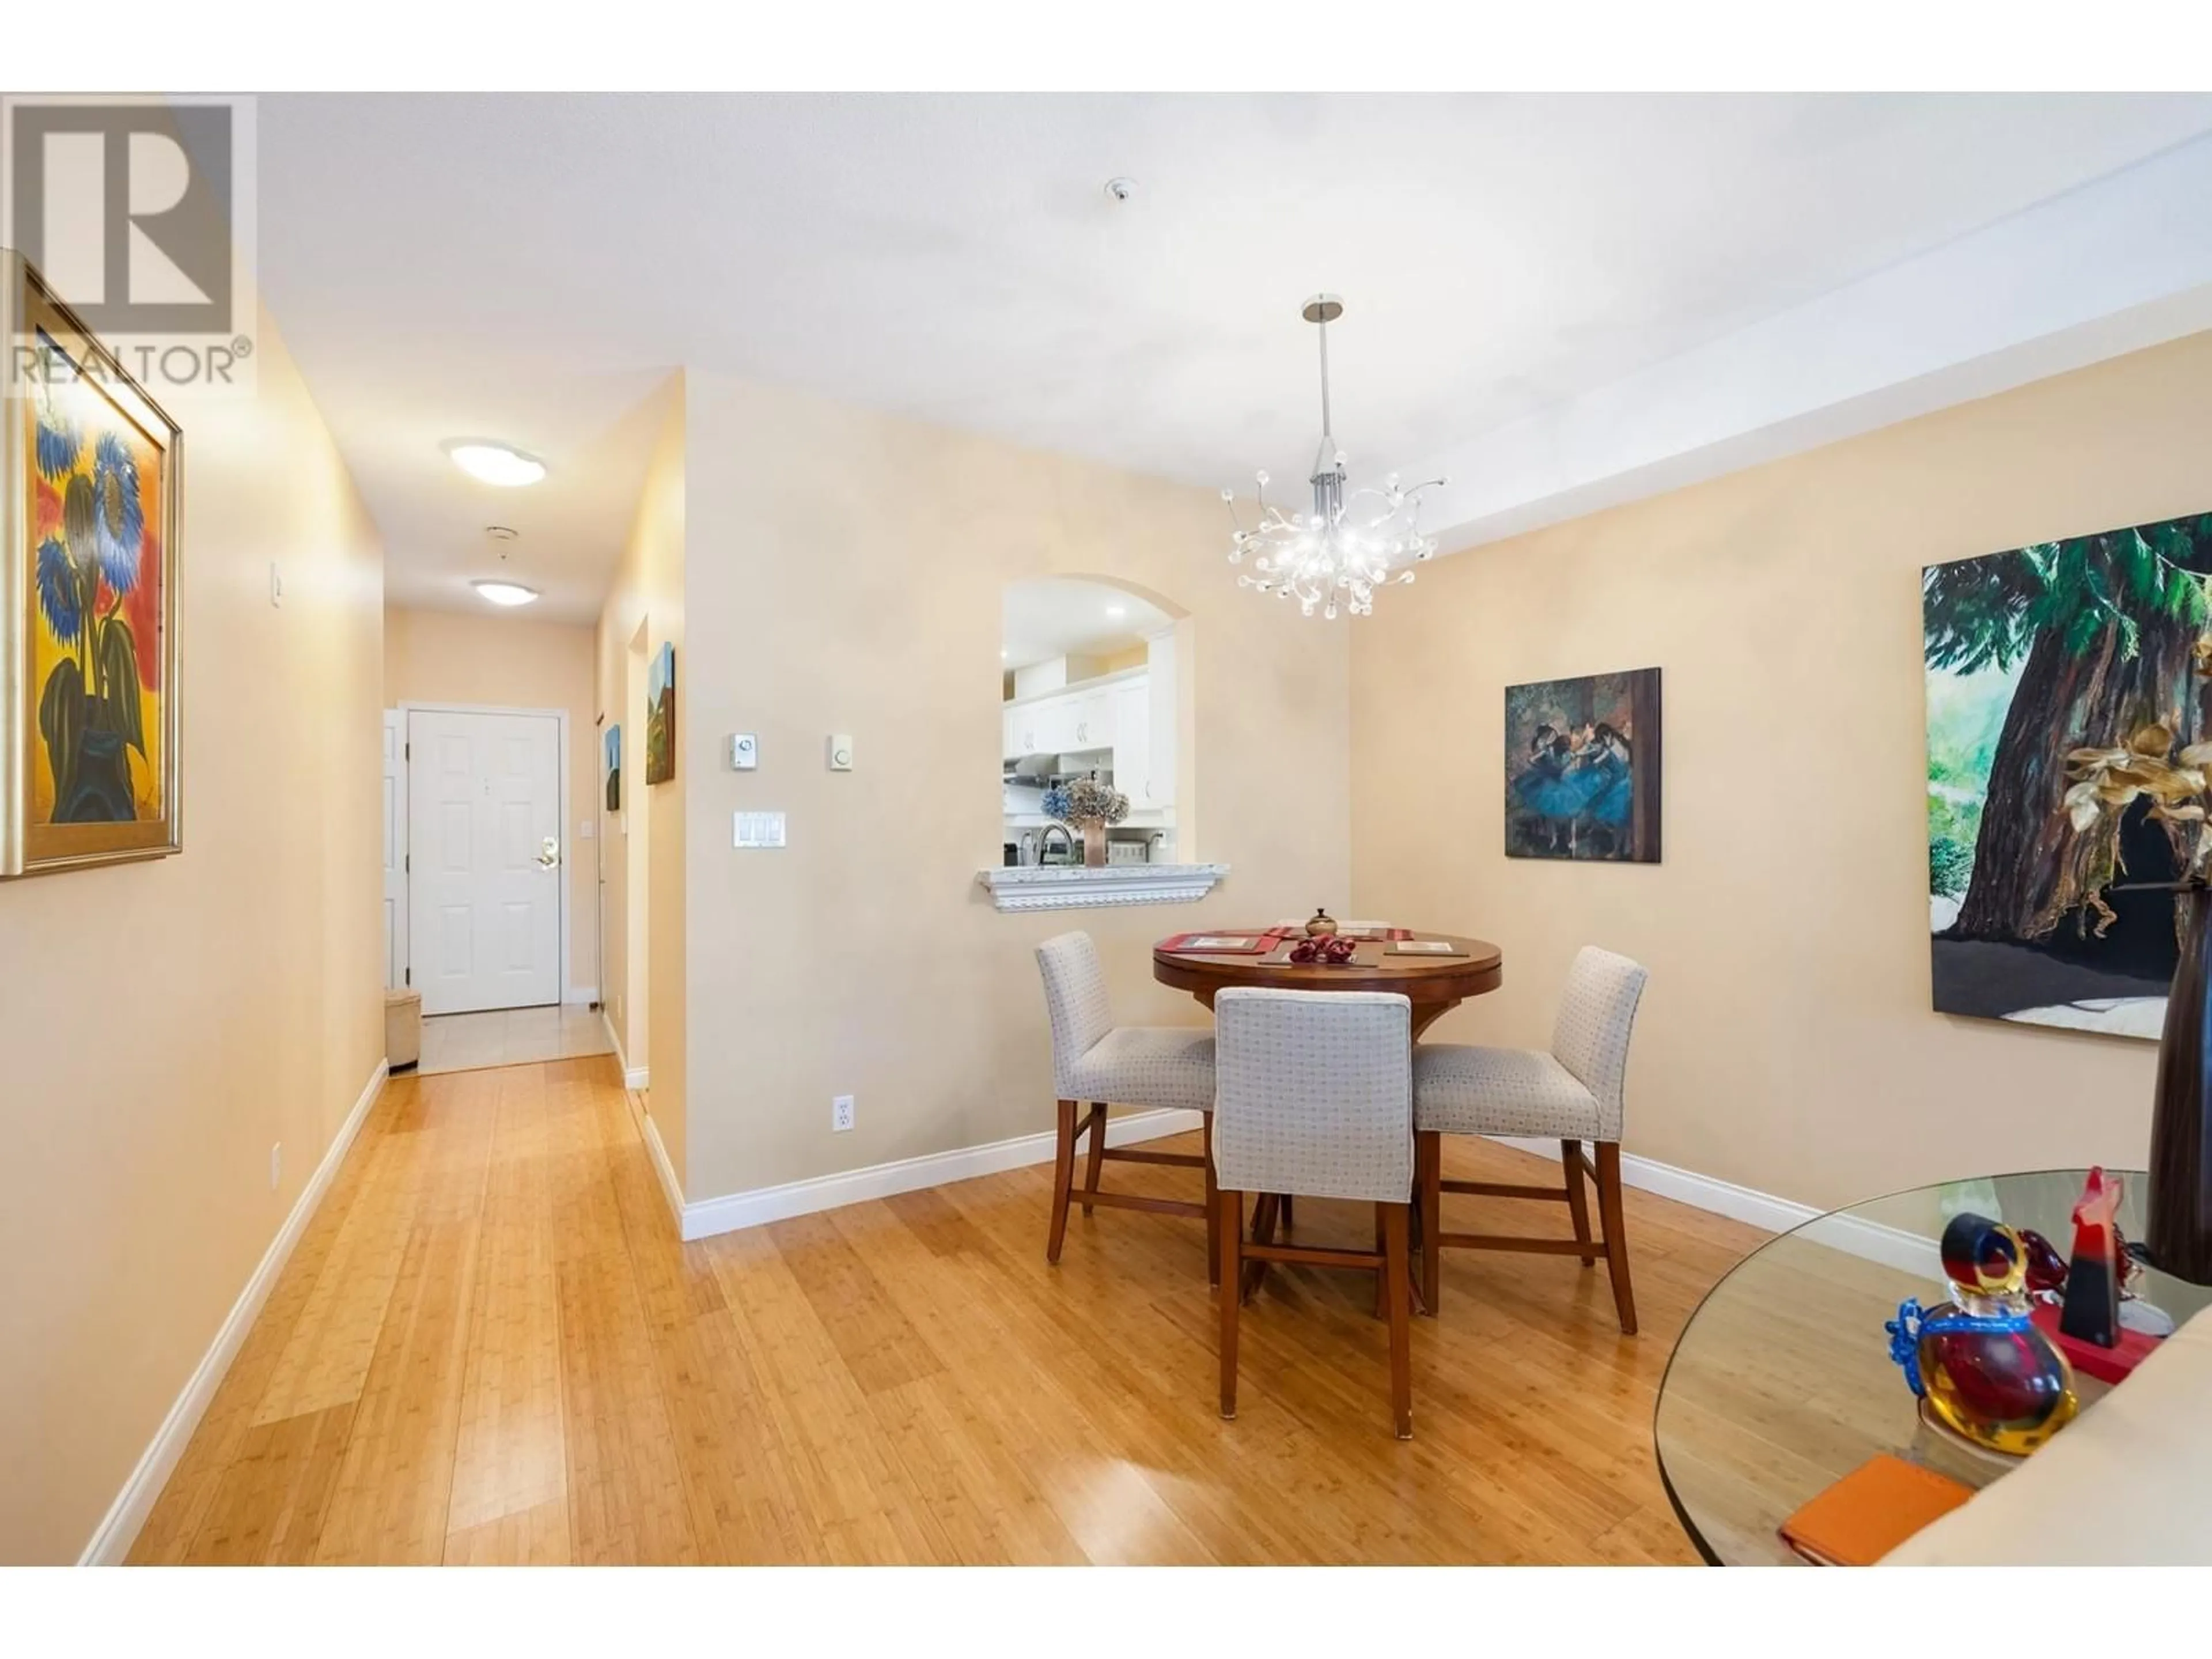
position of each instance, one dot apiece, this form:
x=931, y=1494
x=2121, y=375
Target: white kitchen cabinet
x=1053, y=723
x=1092, y=713
x=1133, y=744
x=1079, y=722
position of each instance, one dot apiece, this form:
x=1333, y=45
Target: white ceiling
x=533, y=267
x=1054, y=616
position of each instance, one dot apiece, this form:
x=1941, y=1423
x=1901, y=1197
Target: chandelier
x=1351, y=543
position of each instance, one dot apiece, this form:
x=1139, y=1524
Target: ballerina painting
x=1582, y=769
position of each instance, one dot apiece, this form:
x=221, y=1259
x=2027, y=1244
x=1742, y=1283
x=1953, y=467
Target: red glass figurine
x=2046, y=1268
x=2092, y=1312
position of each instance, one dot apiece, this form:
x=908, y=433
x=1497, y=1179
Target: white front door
x=395, y=849
x=484, y=817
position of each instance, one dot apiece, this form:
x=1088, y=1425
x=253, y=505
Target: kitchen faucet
x=1044, y=840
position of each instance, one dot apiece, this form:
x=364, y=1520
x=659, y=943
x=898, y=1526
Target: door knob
x=549, y=853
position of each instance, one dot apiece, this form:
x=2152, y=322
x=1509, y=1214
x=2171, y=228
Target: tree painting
x=2031, y=654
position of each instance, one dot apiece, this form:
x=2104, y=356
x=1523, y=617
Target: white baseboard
x=670, y=1187
x=633, y=1077
x=1853, y=1234
x=1701, y=1192
x=110, y=1541
x=729, y=1213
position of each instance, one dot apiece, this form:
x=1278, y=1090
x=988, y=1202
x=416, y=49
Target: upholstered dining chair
x=1095, y=1061
x=1313, y=1097
x=1572, y=1092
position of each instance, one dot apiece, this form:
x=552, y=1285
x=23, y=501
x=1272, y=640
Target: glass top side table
x=1782, y=1383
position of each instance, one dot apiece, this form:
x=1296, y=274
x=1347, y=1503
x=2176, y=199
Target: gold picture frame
x=89, y=715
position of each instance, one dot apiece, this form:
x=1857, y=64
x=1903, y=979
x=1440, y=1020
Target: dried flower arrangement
x=1086, y=800
x=2104, y=782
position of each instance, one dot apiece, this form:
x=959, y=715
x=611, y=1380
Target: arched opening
x=1090, y=689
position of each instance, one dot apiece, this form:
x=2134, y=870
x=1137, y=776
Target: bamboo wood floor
x=489, y=1348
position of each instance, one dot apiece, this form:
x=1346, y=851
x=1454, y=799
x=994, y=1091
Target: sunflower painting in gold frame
x=88, y=512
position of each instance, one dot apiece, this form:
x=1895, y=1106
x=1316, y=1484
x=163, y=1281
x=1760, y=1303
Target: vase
x=1094, y=846
x=2178, y=1230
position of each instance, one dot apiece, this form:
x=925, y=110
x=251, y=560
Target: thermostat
x=841, y=751
x=745, y=752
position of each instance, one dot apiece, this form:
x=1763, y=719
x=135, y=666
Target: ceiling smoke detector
x=1120, y=190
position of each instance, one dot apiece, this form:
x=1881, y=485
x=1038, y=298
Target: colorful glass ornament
x=1982, y=1370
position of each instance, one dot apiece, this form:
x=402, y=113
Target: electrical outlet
x=275, y=1165
x=275, y=584
x=841, y=1112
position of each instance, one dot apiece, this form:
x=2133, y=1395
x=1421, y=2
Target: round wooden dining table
x=1434, y=984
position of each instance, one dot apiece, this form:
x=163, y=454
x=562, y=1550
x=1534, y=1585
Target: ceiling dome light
x=506, y=592
x=494, y=463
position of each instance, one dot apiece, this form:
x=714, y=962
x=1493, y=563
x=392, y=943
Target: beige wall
x=461, y=656
x=645, y=845
x=165, y=1024
x=846, y=577
x=1786, y=1040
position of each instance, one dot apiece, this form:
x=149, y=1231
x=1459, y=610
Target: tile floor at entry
x=512, y=1037
x=490, y=1346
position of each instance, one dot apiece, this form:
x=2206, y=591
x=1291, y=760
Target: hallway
x=489, y=1348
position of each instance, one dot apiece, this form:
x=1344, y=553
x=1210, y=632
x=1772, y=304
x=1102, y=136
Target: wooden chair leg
x=1212, y=1211
x=1571, y=1159
x=1616, y=1233
x=1265, y=1209
x=1097, y=1149
x=1063, y=1177
x=1229, y=1226
x=1429, y=1172
x=1382, y=1278
x=1392, y=1218
x=1286, y=1211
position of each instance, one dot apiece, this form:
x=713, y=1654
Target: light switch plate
x=756, y=829
x=586, y=830
x=744, y=752
x=841, y=751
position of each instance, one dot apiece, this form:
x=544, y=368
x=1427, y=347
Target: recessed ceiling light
x=494, y=463
x=506, y=592
x=1117, y=610
x=1002, y=656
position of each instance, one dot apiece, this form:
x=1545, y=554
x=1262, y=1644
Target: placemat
x=1218, y=944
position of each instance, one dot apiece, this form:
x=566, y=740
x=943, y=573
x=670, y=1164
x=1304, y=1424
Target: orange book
x=1870, y=1511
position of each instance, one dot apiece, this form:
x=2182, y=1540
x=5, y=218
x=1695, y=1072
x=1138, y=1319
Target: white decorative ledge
x=1072, y=887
